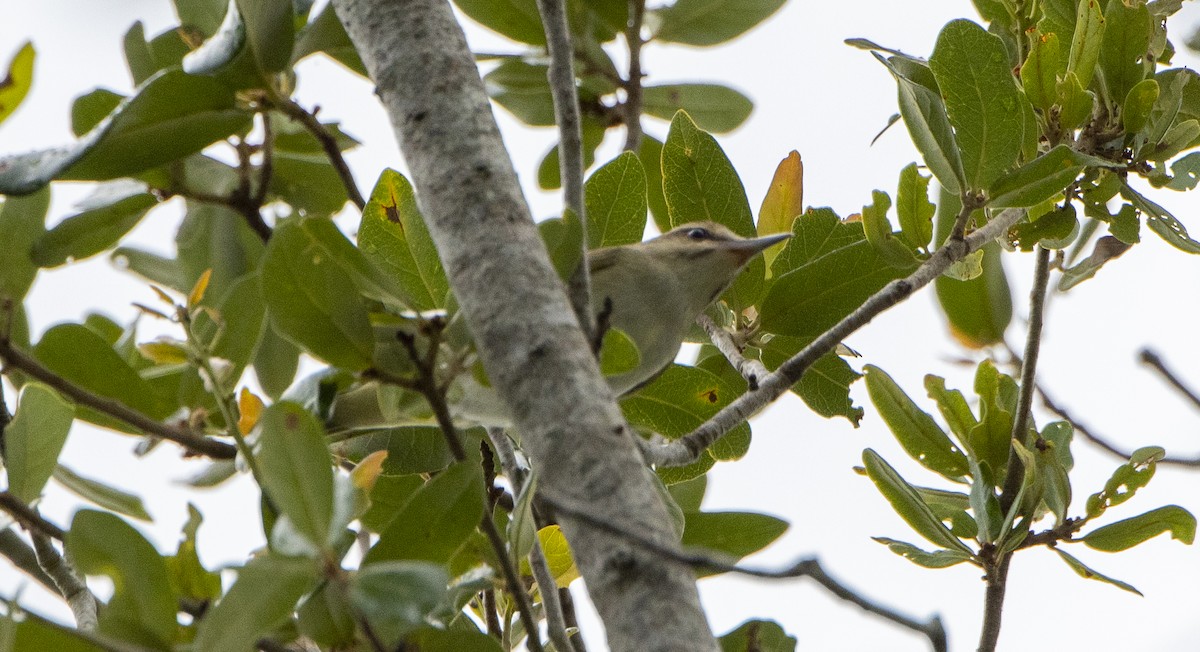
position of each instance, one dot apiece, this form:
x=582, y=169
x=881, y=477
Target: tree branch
x=520, y=319
x=996, y=567
x=23, y=557
x=804, y=567
x=196, y=444
x=70, y=586
x=309, y=121
x=685, y=450
x=561, y=77
x=28, y=517
x=750, y=369
x=1103, y=442
x=1152, y=359
x=633, y=84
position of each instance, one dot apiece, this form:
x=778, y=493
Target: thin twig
x=23, y=557
x=805, y=567
x=28, y=517
x=996, y=567
x=1103, y=442
x=556, y=624
x=426, y=383
x=489, y=613
x=1152, y=359
x=750, y=369
x=685, y=450
x=561, y=76
x=243, y=199
x=267, y=168
x=196, y=444
x=328, y=143
x=71, y=587
x=633, y=84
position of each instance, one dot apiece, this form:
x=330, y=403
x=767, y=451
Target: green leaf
x=982, y=101
x=825, y=386
x=95, y=229
x=735, y=534
x=709, y=22
x=142, y=609
x=1040, y=72
x=905, y=500
x=924, y=114
x=89, y=109
x=1123, y=53
x=549, y=172
x=22, y=222
x=34, y=439
x=312, y=299
x=699, y=183
x=80, y=355
x=830, y=270
x=615, y=196
x=308, y=182
x=234, y=326
x=16, y=83
x=411, y=449
x=758, y=636
x=37, y=633
x=446, y=640
x=296, y=468
x=275, y=362
x=1107, y=248
x=189, y=578
x=1088, y=573
x=263, y=598
x=1161, y=221
x=953, y=407
x=715, y=108
x=783, y=203
x=978, y=310
x=325, y=616
x=325, y=33
x=517, y=19
x=991, y=439
x=689, y=495
x=1128, y=533
x=1186, y=171
x=522, y=89
x=201, y=15
x=618, y=353
x=914, y=209
x=1086, y=41
x=1076, y=101
x=1126, y=480
x=216, y=238
x=106, y=496
x=172, y=115
x=1053, y=230
x=1038, y=180
x=397, y=597
x=917, y=432
x=924, y=558
x=393, y=236
x=270, y=32
x=650, y=154
x=563, y=238
x=436, y=520
x=879, y=233
x=679, y=400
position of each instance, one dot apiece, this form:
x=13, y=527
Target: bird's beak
x=751, y=246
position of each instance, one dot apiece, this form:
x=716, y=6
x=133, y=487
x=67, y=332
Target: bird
x=652, y=291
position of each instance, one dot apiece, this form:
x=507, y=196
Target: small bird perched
x=654, y=290
x=651, y=291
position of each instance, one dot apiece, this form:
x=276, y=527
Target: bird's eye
x=698, y=234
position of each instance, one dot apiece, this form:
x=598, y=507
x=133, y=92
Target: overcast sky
x=826, y=100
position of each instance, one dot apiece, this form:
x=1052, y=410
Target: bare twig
x=426, y=383
x=633, y=84
x=685, y=450
x=28, y=517
x=23, y=557
x=570, y=146
x=1152, y=359
x=328, y=143
x=265, y=169
x=805, y=567
x=556, y=625
x=750, y=369
x=196, y=444
x=996, y=568
x=243, y=200
x=1103, y=442
x=72, y=588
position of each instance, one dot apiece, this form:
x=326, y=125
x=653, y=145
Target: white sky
x=818, y=96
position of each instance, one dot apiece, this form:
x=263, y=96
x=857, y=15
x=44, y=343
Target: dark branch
x=806, y=567
x=328, y=143
x=633, y=84
x=1152, y=359
x=196, y=444
x=28, y=517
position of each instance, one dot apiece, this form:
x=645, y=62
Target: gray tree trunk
x=524, y=328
